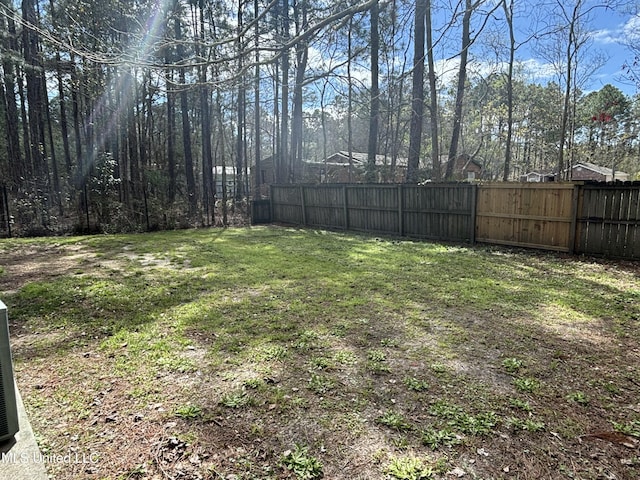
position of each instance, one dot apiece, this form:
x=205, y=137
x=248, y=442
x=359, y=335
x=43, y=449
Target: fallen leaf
x=615, y=437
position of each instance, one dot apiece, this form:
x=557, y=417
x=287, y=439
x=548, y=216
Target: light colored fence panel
x=528, y=215
x=609, y=221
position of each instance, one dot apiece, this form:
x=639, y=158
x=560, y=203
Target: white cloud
x=631, y=30
x=606, y=36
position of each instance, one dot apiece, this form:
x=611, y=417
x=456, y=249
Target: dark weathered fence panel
x=260, y=212
x=538, y=215
x=287, y=204
x=373, y=208
x=609, y=221
x=439, y=211
x=325, y=206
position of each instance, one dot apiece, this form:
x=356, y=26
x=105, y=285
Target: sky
x=609, y=31
x=613, y=31
x=610, y=34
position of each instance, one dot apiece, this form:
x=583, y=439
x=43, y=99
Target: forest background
x=129, y=115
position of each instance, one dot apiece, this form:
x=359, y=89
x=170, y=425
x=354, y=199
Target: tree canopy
x=124, y=115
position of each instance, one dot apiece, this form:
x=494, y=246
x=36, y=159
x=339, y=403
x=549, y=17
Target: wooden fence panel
x=286, y=204
x=260, y=212
x=530, y=215
x=439, y=211
x=325, y=206
x=373, y=208
x=609, y=221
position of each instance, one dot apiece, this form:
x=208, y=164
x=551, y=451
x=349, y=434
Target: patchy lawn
x=264, y=353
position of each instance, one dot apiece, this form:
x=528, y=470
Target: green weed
x=630, y=428
x=303, y=465
x=512, y=365
x=416, y=385
x=321, y=384
x=578, y=397
x=394, y=420
x=528, y=385
x=235, y=399
x=408, y=468
x=435, y=438
x=480, y=424
x=527, y=424
x=188, y=411
x=520, y=404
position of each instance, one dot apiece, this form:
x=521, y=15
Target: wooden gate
x=538, y=215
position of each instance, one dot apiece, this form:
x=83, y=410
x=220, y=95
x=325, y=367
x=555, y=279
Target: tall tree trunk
x=171, y=143
x=77, y=130
x=563, y=171
x=275, y=132
x=433, y=98
x=284, y=173
x=462, y=78
x=34, y=76
x=302, y=54
x=508, y=12
x=186, y=125
x=9, y=43
x=350, y=100
x=171, y=129
x=57, y=193
x=374, y=113
x=207, y=157
x=64, y=124
x=417, y=101
x=241, y=111
x=256, y=110
x=222, y=154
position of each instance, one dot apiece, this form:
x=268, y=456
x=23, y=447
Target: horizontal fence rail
x=598, y=219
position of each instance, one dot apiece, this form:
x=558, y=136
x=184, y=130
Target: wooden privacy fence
x=598, y=219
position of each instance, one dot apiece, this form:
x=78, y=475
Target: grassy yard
x=264, y=353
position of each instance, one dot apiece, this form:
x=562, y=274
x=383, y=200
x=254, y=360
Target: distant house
x=590, y=171
x=337, y=168
x=537, y=177
x=580, y=171
x=465, y=168
x=267, y=173
x=229, y=180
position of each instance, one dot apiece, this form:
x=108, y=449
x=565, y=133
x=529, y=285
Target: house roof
x=361, y=158
x=462, y=161
x=598, y=169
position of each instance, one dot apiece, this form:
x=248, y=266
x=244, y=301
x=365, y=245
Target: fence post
x=574, y=218
x=304, y=207
x=345, y=202
x=271, y=213
x=400, y=191
x=474, y=208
